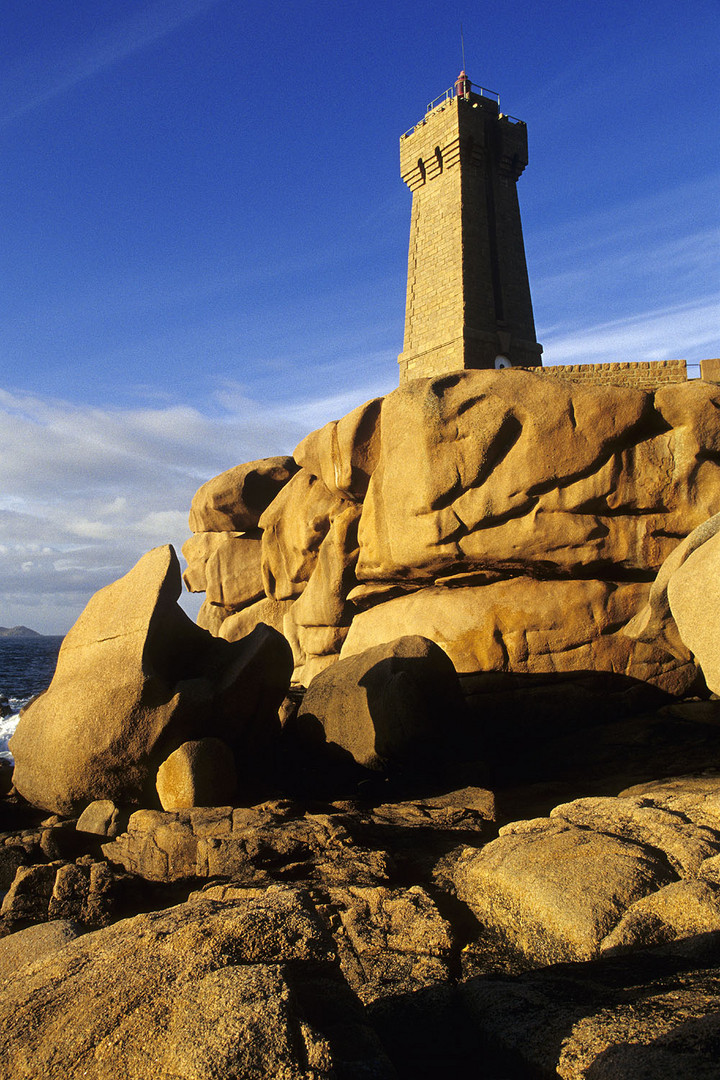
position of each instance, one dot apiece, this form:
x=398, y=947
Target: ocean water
x=27, y=666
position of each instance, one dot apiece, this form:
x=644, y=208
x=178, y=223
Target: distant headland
x=19, y=631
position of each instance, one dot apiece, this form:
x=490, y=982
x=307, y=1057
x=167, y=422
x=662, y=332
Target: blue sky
x=205, y=234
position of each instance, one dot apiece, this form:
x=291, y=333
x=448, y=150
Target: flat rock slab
x=600, y=874
x=469, y=809
x=253, y=845
x=684, y=842
x=247, y=988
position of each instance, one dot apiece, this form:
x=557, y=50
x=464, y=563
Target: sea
x=27, y=666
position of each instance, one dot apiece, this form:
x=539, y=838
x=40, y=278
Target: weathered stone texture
x=34, y=943
x=234, y=500
x=245, y=987
x=601, y=875
x=135, y=678
x=225, y=566
x=612, y=487
x=343, y=454
x=604, y=1021
x=87, y=892
x=249, y=845
x=238, y=624
x=526, y=626
x=554, y=891
x=515, y=519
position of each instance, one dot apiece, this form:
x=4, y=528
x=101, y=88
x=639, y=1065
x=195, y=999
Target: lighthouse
x=468, y=296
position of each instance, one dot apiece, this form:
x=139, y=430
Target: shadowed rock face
x=489, y=492
x=396, y=703
x=135, y=679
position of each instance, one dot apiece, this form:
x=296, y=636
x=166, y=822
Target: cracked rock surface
x=409, y=938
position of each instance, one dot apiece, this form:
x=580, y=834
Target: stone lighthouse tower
x=468, y=297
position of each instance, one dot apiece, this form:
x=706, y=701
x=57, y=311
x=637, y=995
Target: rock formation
x=487, y=833
x=243, y=987
x=398, y=704
x=517, y=521
x=388, y=941
x=135, y=679
x=601, y=875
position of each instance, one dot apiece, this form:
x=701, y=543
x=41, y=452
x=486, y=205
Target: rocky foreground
x=433, y=789
x=360, y=938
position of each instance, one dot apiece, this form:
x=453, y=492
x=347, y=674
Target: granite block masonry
x=468, y=296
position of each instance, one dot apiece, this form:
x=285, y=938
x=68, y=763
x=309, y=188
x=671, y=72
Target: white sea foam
x=7, y=728
x=8, y=725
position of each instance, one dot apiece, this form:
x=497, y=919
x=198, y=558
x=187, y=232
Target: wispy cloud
x=632, y=282
x=87, y=490
x=41, y=77
x=681, y=332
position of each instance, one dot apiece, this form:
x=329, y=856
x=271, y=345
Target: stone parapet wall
x=641, y=375
x=710, y=370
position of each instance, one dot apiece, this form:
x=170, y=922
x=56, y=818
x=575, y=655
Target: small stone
x=102, y=818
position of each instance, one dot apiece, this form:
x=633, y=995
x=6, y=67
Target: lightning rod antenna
x=462, y=46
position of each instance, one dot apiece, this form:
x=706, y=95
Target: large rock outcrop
x=235, y=500
x=135, y=679
x=461, y=508
x=223, y=555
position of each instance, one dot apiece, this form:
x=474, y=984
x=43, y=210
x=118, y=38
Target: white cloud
x=685, y=331
x=163, y=522
x=90, y=530
x=86, y=491
x=636, y=281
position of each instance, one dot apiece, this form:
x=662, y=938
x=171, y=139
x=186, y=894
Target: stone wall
x=641, y=375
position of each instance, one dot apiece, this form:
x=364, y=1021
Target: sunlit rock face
x=517, y=521
x=135, y=679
